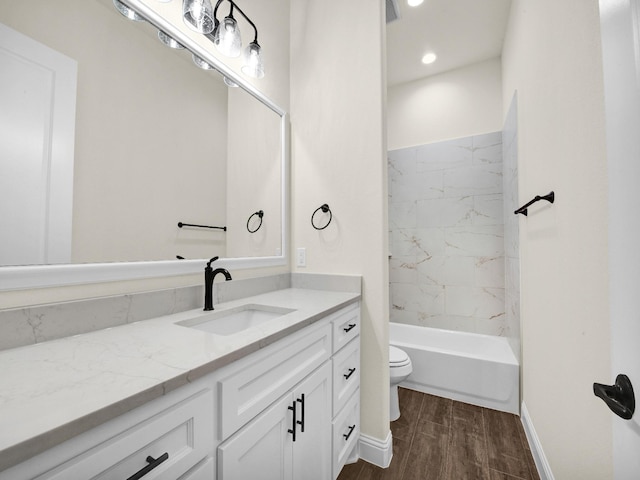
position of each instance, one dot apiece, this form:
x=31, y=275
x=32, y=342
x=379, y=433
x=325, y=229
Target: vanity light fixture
x=429, y=58
x=414, y=3
x=201, y=63
x=198, y=15
x=169, y=41
x=130, y=13
x=207, y=66
x=229, y=83
x=226, y=37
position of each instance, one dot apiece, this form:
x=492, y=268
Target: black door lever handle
x=619, y=397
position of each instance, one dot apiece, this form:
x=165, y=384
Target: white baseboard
x=376, y=451
x=544, y=470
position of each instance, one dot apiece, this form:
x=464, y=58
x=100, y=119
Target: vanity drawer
x=346, y=374
x=346, y=432
x=257, y=381
x=175, y=440
x=346, y=326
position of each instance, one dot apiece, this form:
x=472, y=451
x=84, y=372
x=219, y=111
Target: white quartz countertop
x=52, y=391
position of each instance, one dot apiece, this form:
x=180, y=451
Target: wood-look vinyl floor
x=440, y=439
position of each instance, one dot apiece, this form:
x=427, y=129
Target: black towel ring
x=325, y=208
x=260, y=214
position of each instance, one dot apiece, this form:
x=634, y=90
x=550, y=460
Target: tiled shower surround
x=446, y=221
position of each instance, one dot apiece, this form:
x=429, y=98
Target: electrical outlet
x=301, y=257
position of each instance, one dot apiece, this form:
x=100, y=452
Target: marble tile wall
x=446, y=222
x=511, y=229
x=41, y=323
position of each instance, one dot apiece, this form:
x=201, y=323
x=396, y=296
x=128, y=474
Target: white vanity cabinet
x=298, y=436
x=290, y=440
x=169, y=438
x=346, y=386
x=289, y=410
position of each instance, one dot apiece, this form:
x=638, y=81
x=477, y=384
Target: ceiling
x=459, y=32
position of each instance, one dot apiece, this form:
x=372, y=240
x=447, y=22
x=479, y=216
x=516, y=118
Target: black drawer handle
x=153, y=463
x=292, y=431
x=301, y=422
x=347, y=375
x=350, y=327
x=351, y=429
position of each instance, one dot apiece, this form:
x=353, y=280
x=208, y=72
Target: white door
x=620, y=21
x=262, y=448
x=312, y=448
x=37, y=122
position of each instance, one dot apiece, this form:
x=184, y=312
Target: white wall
x=254, y=169
x=134, y=175
x=454, y=104
x=552, y=57
x=339, y=158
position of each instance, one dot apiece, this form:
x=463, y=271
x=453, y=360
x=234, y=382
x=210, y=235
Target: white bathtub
x=468, y=367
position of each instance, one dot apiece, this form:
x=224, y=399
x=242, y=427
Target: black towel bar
x=549, y=197
x=180, y=225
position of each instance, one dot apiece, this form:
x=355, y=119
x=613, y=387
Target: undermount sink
x=228, y=322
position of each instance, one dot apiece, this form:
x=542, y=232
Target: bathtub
x=468, y=367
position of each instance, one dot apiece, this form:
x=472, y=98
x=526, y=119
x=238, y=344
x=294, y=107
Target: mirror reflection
x=151, y=140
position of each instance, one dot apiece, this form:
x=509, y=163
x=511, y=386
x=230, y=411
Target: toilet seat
x=397, y=357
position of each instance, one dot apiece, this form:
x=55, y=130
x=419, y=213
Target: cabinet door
x=261, y=449
x=312, y=448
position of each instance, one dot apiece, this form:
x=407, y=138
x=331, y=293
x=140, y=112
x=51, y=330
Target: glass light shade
x=198, y=15
x=227, y=38
x=169, y=41
x=253, y=61
x=127, y=12
x=201, y=63
x=229, y=83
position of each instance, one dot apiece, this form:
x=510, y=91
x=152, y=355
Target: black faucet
x=209, y=275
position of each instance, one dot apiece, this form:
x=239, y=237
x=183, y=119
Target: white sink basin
x=228, y=322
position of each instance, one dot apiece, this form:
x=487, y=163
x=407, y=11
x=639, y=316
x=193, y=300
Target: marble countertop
x=55, y=390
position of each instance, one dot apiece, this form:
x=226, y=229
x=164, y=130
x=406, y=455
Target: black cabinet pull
x=351, y=429
x=153, y=463
x=347, y=375
x=350, y=327
x=301, y=423
x=293, y=432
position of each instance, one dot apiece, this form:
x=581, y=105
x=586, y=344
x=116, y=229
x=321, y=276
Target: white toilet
x=399, y=369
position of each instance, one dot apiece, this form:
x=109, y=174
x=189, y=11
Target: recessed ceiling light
x=414, y=3
x=429, y=58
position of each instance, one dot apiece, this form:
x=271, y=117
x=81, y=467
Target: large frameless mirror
x=148, y=153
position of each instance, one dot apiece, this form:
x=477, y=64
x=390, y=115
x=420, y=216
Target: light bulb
x=429, y=58
x=227, y=37
x=253, y=61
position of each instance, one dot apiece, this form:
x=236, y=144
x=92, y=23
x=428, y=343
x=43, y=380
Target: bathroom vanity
x=276, y=396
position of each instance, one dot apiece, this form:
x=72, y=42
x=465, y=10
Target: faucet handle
x=212, y=260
